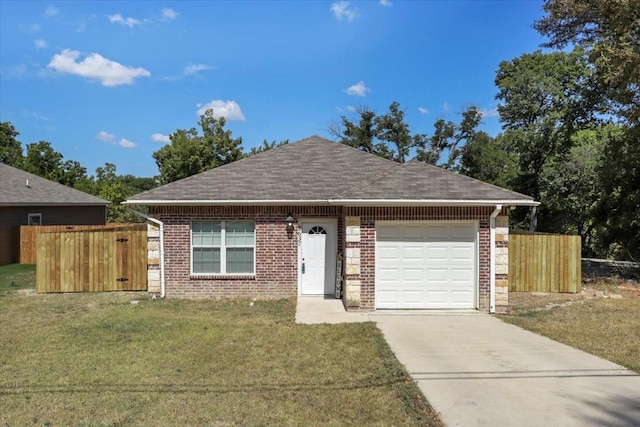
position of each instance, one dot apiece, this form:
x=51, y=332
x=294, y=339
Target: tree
x=190, y=153
x=391, y=128
x=543, y=102
x=266, y=146
x=448, y=138
x=10, y=147
x=362, y=135
x=491, y=160
x=608, y=32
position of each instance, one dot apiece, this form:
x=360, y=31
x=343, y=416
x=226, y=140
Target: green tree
x=543, y=103
x=190, y=153
x=10, y=147
x=266, y=146
x=448, y=139
x=609, y=34
x=392, y=130
x=491, y=160
x=362, y=135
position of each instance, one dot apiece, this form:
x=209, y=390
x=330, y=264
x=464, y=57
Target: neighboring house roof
x=318, y=171
x=20, y=188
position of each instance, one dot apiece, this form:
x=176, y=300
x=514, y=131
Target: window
x=222, y=247
x=34, y=219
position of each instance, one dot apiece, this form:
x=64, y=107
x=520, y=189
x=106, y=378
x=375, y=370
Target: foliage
x=190, y=153
x=266, y=146
x=491, y=160
x=10, y=147
x=389, y=136
x=608, y=31
x=448, y=137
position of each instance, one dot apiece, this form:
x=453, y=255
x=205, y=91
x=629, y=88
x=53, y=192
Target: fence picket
x=544, y=262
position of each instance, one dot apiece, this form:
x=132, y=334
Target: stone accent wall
x=352, y=261
x=502, y=264
x=276, y=270
x=153, y=259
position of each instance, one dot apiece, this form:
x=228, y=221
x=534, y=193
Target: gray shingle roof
x=14, y=191
x=315, y=170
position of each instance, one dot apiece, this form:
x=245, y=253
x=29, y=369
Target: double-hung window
x=222, y=247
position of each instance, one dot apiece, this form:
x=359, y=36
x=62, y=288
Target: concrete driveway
x=476, y=370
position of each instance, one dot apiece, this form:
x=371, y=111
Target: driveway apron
x=476, y=370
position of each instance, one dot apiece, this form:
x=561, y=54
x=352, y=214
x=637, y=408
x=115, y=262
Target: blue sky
x=108, y=81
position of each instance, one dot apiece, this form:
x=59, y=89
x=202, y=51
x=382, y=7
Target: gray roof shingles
x=316, y=169
x=40, y=191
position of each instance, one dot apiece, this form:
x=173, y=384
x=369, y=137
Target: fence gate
x=92, y=261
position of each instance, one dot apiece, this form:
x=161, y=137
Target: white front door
x=317, y=261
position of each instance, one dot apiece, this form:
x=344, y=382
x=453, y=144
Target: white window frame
x=34, y=215
x=223, y=248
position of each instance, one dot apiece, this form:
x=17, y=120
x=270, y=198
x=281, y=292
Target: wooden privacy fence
x=92, y=260
x=540, y=262
x=29, y=236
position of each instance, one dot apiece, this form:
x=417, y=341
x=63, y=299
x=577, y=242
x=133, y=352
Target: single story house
x=28, y=199
x=306, y=217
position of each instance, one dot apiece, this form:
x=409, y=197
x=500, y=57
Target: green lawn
x=17, y=276
x=97, y=359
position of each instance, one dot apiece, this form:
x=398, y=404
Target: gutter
x=338, y=202
x=492, y=261
x=161, y=225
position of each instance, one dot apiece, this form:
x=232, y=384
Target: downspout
x=492, y=259
x=160, y=224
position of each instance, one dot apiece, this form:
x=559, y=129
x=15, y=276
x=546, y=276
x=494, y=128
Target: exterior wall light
x=289, y=221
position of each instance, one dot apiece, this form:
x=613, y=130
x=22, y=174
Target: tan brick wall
x=502, y=263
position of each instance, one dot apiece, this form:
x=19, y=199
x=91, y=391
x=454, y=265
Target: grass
x=17, y=276
x=607, y=328
x=98, y=359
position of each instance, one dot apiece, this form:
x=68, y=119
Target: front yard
x=123, y=359
x=594, y=322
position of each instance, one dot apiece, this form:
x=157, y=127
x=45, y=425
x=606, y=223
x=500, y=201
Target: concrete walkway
x=476, y=370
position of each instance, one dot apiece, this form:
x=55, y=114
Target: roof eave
x=35, y=204
x=338, y=202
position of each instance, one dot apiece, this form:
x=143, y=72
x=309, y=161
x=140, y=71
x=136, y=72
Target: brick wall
x=276, y=270
x=277, y=256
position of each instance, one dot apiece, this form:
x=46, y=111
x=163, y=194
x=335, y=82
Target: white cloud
x=423, y=110
x=489, y=113
x=445, y=106
x=105, y=136
x=351, y=108
x=385, y=2
x=96, y=66
x=341, y=10
x=158, y=137
x=40, y=44
x=230, y=110
x=192, y=69
x=119, y=19
x=51, y=11
x=169, y=14
x=125, y=143
x=358, y=89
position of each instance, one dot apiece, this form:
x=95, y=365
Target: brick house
x=28, y=199
x=301, y=218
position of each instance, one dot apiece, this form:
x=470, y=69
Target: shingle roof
x=20, y=188
x=317, y=170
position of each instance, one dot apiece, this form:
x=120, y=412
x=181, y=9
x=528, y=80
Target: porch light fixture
x=289, y=221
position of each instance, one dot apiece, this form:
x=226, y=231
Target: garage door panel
x=426, y=265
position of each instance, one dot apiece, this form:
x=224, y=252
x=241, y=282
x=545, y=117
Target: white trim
x=339, y=202
x=492, y=258
x=223, y=249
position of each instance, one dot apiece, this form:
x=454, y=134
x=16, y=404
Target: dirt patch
x=608, y=288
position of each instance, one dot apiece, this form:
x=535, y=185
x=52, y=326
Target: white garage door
x=426, y=265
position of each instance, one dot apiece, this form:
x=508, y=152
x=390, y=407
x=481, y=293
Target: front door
x=317, y=261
